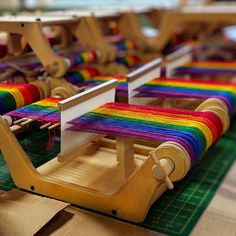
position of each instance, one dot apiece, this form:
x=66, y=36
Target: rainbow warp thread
x=94, y=81
x=83, y=58
x=43, y=111
x=13, y=96
x=131, y=61
x=195, y=131
x=180, y=88
x=88, y=77
x=124, y=45
x=122, y=87
x=79, y=75
x=207, y=67
x=75, y=59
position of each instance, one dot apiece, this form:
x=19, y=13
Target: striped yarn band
x=195, y=131
x=13, y=96
x=43, y=111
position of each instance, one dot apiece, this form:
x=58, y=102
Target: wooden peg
x=160, y=172
x=28, y=121
x=14, y=43
x=45, y=125
x=19, y=121
x=54, y=126
x=125, y=157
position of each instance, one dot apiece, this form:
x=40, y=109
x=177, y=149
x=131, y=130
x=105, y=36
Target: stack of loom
x=132, y=119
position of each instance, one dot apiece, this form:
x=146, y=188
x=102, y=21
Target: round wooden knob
x=212, y=102
x=61, y=92
x=178, y=155
x=219, y=108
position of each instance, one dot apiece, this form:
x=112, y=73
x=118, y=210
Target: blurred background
x=15, y=5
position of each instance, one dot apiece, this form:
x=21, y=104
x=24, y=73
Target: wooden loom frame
x=96, y=40
x=30, y=28
x=172, y=19
x=128, y=24
x=142, y=172
x=89, y=32
x=67, y=26
x=140, y=185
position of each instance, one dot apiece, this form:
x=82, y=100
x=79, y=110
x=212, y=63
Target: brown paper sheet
x=75, y=221
x=23, y=213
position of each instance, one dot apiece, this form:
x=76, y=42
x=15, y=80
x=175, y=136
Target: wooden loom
x=117, y=177
x=67, y=28
x=97, y=19
x=58, y=88
x=130, y=27
x=31, y=28
x=90, y=32
x=168, y=20
x=114, y=177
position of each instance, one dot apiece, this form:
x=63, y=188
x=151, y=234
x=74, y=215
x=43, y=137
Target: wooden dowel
x=28, y=121
x=20, y=121
x=125, y=157
x=45, y=125
x=54, y=126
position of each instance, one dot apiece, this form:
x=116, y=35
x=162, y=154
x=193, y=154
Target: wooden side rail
x=178, y=58
x=80, y=104
x=142, y=75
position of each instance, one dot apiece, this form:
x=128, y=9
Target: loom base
x=131, y=201
x=96, y=170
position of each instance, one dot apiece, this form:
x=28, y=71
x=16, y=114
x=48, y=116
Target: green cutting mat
x=34, y=144
x=178, y=210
